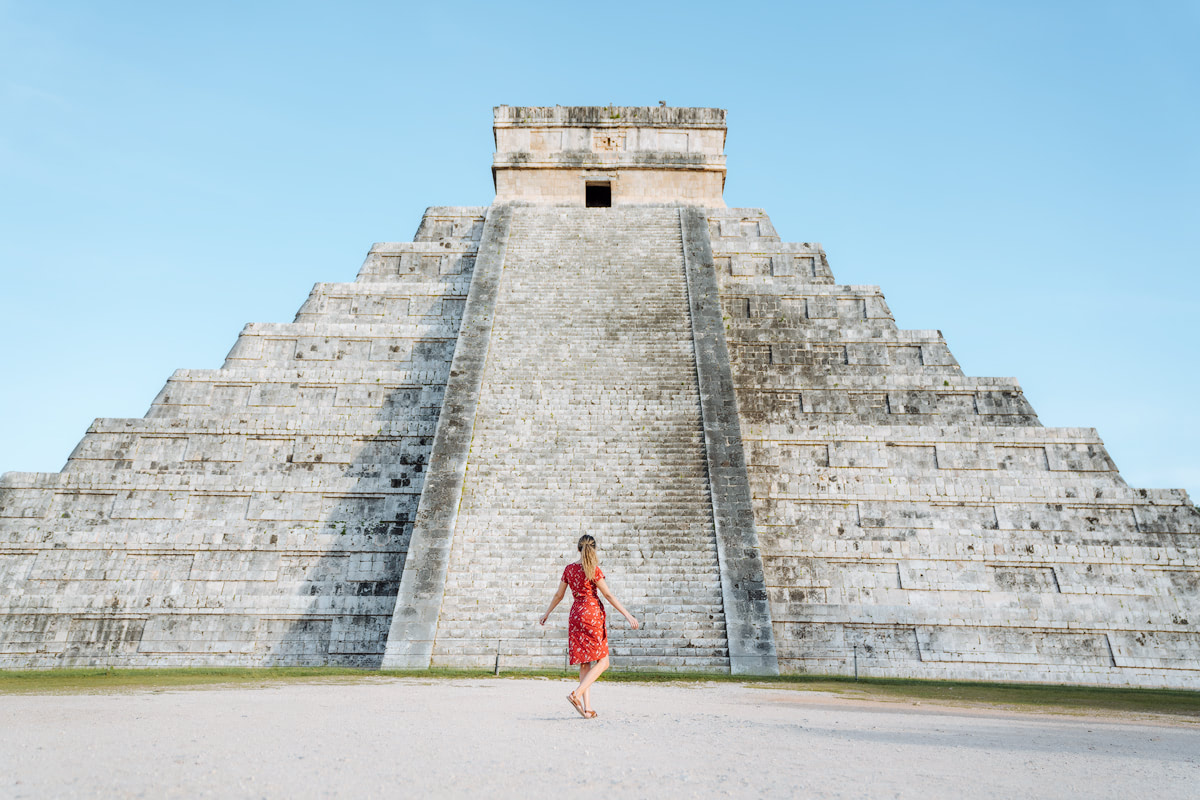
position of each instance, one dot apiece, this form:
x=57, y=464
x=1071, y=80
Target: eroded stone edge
x=743, y=585
x=423, y=582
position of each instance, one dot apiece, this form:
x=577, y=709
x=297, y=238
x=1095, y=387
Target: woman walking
x=587, y=635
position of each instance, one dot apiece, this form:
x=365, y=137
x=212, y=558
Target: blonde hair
x=588, y=557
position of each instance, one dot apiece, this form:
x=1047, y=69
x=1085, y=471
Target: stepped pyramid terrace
x=781, y=480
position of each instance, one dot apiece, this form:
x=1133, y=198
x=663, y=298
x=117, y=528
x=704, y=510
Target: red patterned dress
x=587, y=634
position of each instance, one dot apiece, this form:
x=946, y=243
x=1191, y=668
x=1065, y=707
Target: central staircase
x=589, y=421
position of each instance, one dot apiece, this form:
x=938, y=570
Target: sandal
x=590, y=714
x=573, y=700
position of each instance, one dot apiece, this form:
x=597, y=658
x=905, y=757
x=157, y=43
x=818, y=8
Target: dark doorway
x=597, y=195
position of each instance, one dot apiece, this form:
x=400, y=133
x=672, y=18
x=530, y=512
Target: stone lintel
x=610, y=116
x=422, y=586
x=743, y=584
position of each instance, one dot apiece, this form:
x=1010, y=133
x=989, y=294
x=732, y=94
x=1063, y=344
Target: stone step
x=452, y=223
x=377, y=344
x=385, y=303
x=401, y=262
x=248, y=426
x=385, y=396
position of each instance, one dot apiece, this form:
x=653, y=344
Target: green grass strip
x=84, y=680
x=1028, y=696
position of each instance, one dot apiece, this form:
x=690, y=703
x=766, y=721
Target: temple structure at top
x=609, y=156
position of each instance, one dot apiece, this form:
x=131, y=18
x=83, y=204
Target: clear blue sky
x=1024, y=176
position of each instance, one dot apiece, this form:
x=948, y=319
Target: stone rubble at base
x=780, y=478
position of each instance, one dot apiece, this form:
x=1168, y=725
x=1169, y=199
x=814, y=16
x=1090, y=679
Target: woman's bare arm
x=608, y=595
x=558, y=596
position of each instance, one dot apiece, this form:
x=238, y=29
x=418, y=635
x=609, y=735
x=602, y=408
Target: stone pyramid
x=780, y=479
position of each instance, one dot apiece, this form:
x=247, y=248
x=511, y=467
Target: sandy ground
x=520, y=738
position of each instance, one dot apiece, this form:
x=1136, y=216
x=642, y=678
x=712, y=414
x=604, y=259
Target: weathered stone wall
x=260, y=512
x=924, y=520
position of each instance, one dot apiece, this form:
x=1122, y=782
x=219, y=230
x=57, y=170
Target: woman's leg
x=595, y=670
x=580, y=692
x=576, y=695
x=584, y=690
x=583, y=671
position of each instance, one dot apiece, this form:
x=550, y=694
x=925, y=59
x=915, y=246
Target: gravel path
x=520, y=738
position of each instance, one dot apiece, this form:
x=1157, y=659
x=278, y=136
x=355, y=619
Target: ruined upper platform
x=643, y=154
